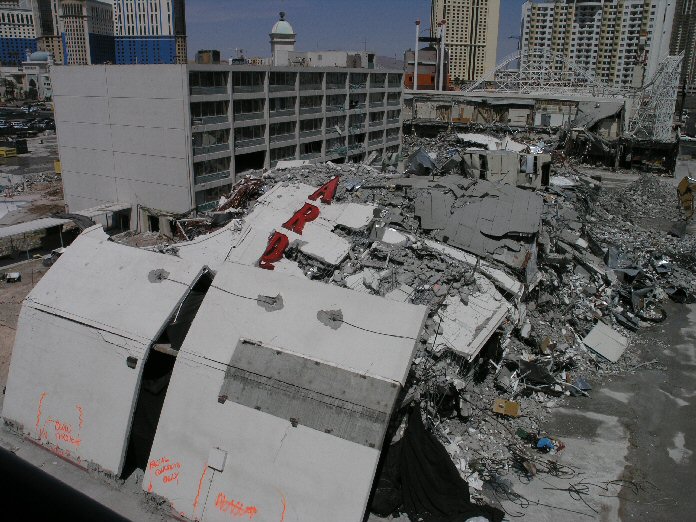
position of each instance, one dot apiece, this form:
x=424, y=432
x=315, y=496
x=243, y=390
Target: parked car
x=51, y=258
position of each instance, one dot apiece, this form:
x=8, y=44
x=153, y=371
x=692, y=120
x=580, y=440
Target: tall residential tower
x=471, y=35
x=684, y=40
x=87, y=32
x=152, y=31
x=75, y=32
x=621, y=42
x=17, y=31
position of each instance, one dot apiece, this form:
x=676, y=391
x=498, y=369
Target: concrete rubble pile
x=16, y=184
x=532, y=294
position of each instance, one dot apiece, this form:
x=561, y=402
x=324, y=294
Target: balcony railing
x=283, y=87
x=357, y=106
x=206, y=207
x=308, y=133
x=335, y=86
x=212, y=176
x=282, y=137
x=210, y=120
x=281, y=113
x=310, y=110
x=393, y=121
x=247, y=88
x=377, y=123
x=210, y=149
x=310, y=155
x=394, y=103
x=249, y=142
x=335, y=108
x=246, y=116
x=310, y=87
x=377, y=103
x=375, y=142
x=208, y=90
x=357, y=86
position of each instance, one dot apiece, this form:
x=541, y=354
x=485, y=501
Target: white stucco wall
x=122, y=135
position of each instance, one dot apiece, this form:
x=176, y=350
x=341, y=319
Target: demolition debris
x=531, y=279
x=534, y=276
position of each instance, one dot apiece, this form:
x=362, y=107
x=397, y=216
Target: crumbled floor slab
x=606, y=341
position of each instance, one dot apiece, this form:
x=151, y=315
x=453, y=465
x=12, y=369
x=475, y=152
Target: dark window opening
x=545, y=173
x=251, y=161
x=153, y=223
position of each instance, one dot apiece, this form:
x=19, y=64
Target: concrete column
x=323, y=117
x=443, y=31
x=415, y=61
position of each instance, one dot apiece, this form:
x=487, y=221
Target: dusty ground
x=11, y=297
x=39, y=198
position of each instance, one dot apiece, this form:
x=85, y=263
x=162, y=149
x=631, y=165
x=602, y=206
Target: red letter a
x=326, y=192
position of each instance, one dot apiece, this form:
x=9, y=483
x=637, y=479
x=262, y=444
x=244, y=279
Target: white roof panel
x=123, y=290
x=244, y=241
x=276, y=463
x=31, y=226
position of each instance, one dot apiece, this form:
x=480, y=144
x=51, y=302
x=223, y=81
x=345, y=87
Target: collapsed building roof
x=83, y=335
x=244, y=242
x=295, y=382
x=282, y=386
x=496, y=220
x=591, y=112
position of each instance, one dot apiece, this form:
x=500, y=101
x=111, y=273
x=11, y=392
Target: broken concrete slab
x=433, y=209
x=316, y=379
x=400, y=294
x=453, y=164
x=83, y=337
x=503, y=281
x=390, y=236
x=421, y=164
x=500, y=221
x=483, y=140
x=606, y=341
x=467, y=327
x=245, y=242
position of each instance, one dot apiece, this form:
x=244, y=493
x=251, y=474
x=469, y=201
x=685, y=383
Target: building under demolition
x=586, y=117
x=238, y=390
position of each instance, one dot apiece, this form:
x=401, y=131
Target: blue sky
x=385, y=26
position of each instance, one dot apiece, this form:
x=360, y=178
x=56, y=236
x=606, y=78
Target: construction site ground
x=32, y=190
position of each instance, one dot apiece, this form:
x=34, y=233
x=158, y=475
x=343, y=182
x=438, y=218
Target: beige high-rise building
x=621, y=42
x=684, y=40
x=471, y=35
